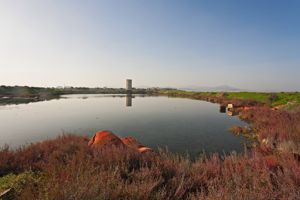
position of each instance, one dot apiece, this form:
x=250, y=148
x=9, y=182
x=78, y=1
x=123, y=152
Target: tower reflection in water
x=129, y=100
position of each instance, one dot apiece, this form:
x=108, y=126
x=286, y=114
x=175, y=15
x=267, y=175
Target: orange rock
x=131, y=142
x=106, y=138
x=134, y=144
x=144, y=149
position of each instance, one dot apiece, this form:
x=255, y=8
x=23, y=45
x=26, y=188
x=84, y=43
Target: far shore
x=282, y=100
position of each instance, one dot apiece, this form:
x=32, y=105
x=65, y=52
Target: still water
x=180, y=125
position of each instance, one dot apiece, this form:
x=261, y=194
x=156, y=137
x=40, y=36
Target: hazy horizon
x=251, y=45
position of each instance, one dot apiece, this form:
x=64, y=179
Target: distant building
x=129, y=85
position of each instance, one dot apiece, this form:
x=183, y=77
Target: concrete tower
x=128, y=85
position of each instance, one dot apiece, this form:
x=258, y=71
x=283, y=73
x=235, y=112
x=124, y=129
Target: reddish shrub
x=71, y=170
x=275, y=126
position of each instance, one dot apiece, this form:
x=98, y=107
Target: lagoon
x=178, y=124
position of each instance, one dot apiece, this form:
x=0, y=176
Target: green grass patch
x=285, y=98
x=272, y=99
x=16, y=183
x=260, y=97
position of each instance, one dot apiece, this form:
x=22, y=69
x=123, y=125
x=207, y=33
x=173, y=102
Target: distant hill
x=221, y=88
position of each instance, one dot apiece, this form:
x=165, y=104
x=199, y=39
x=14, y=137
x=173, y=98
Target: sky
x=252, y=45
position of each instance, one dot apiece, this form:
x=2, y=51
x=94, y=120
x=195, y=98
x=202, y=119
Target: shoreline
x=67, y=166
x=257, y=114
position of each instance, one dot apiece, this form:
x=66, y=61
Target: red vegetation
x=276, y=129
x=271, y=161
x=70, y=169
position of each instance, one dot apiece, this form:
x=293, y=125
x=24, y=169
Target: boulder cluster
x=106, y=138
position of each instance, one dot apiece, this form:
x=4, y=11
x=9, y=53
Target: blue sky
x=254, y=45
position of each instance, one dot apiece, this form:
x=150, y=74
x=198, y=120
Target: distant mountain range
x=221, y=88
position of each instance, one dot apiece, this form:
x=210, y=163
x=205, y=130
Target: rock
x=145, y=149
x=230, y=106
x=133, y=143
x=106, y=138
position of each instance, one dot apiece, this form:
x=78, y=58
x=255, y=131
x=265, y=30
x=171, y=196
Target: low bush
x=275, y=126
x=69, y=169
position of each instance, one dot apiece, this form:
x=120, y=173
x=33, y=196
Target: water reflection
x=232, y=112
x=129, y=100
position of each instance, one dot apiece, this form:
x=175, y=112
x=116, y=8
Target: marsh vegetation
x=67, y=168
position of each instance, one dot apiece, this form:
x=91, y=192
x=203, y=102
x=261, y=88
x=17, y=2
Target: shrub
x=275, y=125
x=69, y=169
